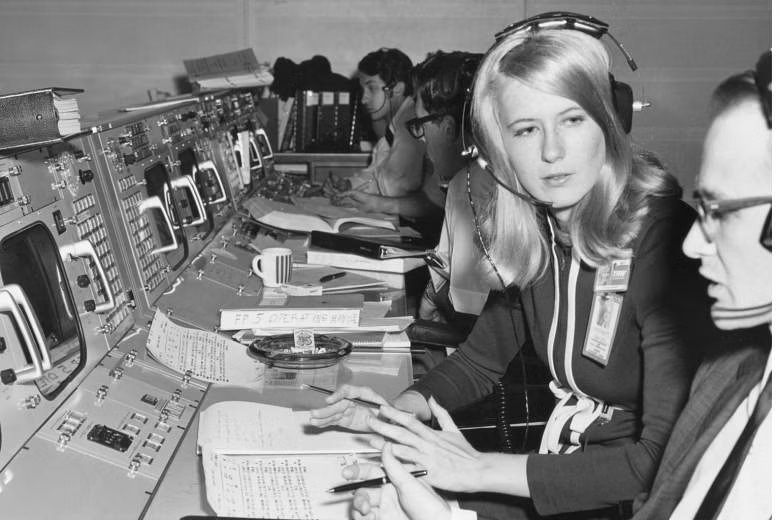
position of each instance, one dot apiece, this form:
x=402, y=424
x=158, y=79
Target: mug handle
x=256, y=267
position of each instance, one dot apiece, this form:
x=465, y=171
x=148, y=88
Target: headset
x=763, y=78
x=622, y=94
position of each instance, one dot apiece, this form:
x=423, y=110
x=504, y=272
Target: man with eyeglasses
x=717, y=463
x=440, y=84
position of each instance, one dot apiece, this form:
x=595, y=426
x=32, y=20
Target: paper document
x=208, y=355
x=265, y=461
x=258, y=428
x=257, y=486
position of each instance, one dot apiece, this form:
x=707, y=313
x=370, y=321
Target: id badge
x=604, y=314
x=614, y=276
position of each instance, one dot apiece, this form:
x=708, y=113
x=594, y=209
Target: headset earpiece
x=623, y=100
x=766, y=232
x=389, y=88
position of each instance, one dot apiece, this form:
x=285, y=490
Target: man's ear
x=450, y=128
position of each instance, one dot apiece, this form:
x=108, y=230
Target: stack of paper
x=264, y=461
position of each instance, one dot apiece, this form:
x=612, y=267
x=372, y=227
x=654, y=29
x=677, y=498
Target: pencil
x=372, y=482
x=353, y=399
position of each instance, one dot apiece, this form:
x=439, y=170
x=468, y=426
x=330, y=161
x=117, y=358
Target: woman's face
x=554, y=147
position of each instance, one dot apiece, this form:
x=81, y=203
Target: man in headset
x=397, y=163
x=717, y=463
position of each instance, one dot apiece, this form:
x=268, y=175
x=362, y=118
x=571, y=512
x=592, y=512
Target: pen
x=353, y=399
x=371, y=482
x=330, y=277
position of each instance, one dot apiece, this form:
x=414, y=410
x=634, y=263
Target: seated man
x=397, y=158
x=458, y=289
x=716, y=464
x=440, y=85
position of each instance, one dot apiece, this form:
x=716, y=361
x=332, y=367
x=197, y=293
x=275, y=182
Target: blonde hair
x=573, y=65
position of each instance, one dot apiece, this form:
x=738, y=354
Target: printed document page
x=208, y=355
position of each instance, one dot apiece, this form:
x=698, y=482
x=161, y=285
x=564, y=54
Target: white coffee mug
x=274, y=266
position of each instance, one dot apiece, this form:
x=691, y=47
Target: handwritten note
x=236, y=319
x=276, y=487
x=208, y=355
x=243, y=427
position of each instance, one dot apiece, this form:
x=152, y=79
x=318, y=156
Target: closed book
x=37, y=117
x=359, y=262
x=371, y=248
x=329, y=311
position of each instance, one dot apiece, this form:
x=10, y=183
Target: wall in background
x=117, y=50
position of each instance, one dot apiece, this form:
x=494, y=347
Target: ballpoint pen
x=353, y=399
x=331, y=277
x=372, y=482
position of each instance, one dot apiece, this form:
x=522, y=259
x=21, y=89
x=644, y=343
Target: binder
x=37, y=117
x=371, y=248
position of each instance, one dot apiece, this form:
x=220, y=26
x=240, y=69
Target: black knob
x=89, y=305
x=3, y=346
x=82, y=281
x=86, y=176
x=129, y=158
x=8, y=376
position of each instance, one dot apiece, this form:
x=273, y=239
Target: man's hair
x=391, y=65
x=732, y=91
x=443, y=80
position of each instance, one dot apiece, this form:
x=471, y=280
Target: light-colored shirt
x=465, y=265
x=750, y=496
x=396, y=169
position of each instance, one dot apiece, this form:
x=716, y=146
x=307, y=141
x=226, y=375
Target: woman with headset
x=586, y=231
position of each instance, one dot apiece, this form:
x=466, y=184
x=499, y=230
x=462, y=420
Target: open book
x=313, y=214
x=265, y=461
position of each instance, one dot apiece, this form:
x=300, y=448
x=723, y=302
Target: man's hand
x=363, y=201
x=405, y=498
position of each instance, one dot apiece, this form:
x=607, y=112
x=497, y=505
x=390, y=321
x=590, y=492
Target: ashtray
x=277, y=351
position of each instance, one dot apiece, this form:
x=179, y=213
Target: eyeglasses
x=711, y=211
x=416, y=126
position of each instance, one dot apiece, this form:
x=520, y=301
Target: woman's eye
x=574, y=120
x=525, y=131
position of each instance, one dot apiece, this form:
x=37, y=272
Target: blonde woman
x=589, y=232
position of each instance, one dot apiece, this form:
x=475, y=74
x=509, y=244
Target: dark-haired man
x=397, y=159
x=440, y=85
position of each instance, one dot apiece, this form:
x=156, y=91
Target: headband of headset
x=622, y=95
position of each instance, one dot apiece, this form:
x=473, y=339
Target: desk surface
x=182, y=491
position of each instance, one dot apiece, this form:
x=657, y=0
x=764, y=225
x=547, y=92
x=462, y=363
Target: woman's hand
x=347, y=414
x=406, y=497
x=451, y=462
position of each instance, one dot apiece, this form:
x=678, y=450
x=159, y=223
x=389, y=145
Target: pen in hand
x=331, y=277
x=372, y=482
x=353, y=399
